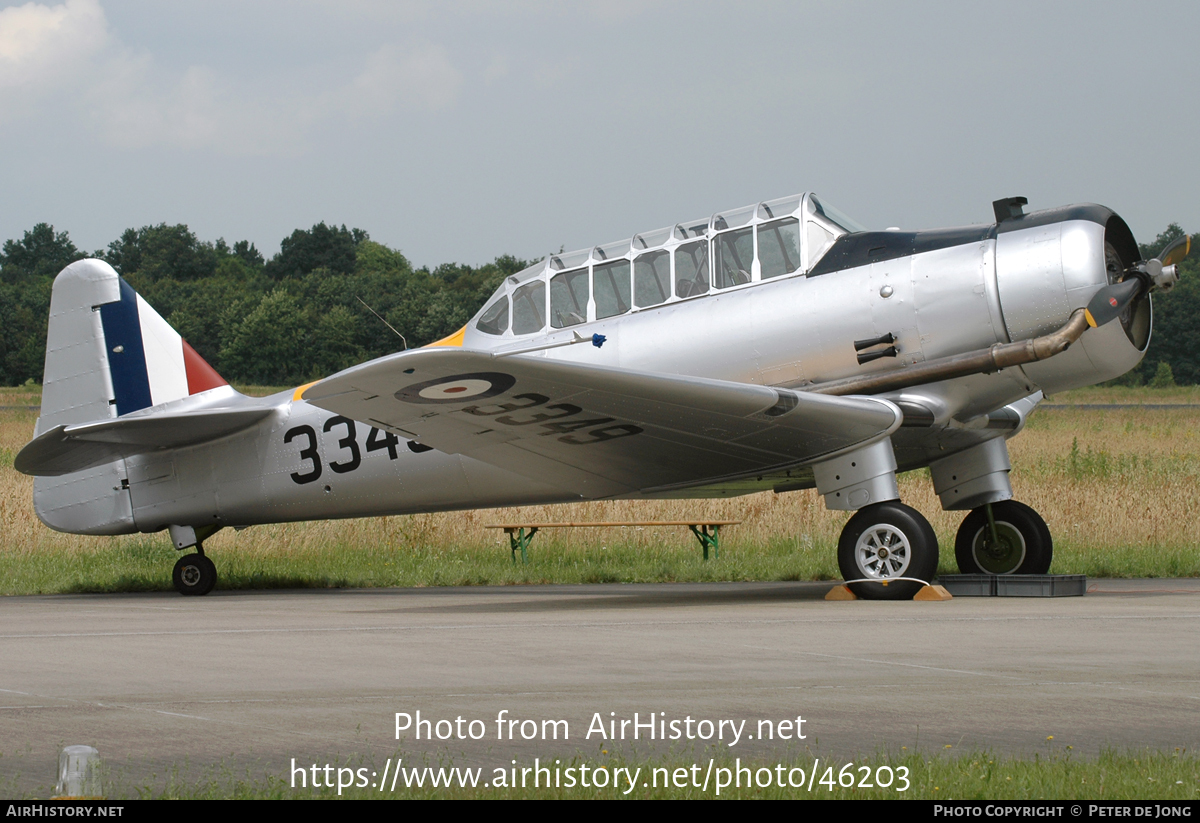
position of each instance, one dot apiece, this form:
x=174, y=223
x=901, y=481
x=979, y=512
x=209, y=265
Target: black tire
x=1025, y=543
x=194, y=575
x=909, y=549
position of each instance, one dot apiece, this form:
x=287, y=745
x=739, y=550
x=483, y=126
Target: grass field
x=1053, y=775
x=1117, y=486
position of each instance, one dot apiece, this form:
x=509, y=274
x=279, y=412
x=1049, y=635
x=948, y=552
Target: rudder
x=108, y=353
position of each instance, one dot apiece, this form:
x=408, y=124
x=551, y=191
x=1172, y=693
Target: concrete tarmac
x=247, y=681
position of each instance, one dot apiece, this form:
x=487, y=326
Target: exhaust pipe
x=984, y=361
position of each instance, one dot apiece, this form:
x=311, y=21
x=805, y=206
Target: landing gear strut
x=194, y=574
x=1003, y=538
x=885, y=541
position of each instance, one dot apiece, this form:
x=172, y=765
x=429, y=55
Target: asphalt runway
x=246, y=681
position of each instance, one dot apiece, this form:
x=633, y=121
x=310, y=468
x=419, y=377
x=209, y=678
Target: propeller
x=1110, y=301
x=1176, y=251
x=1159, y=273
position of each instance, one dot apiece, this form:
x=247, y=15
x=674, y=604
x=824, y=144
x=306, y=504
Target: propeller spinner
x=1159, y=273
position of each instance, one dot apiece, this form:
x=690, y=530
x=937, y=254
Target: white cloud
x=58, y=60
x=423, y=76
x=132, y=112
x=43, y=46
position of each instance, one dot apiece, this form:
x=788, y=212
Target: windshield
x=528, y=273
x=835, y=216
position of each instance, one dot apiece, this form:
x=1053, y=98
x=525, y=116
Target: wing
x=598, y=431
x=66, y=449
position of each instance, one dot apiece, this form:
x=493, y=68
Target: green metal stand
x=708, y=539
x=518, y=539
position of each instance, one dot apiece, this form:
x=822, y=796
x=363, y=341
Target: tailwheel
x=1010, y=539
x=194, y=574
x=883, y=542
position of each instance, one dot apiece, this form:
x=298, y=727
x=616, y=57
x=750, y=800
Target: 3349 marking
x=376, y=441
x=600, y=429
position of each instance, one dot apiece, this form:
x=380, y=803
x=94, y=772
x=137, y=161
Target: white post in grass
x=78, y=773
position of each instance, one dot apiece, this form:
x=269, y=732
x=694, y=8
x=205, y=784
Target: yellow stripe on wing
x=296, y=394
x=455, y=339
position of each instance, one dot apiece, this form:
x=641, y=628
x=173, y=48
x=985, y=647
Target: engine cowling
x=1052, y=262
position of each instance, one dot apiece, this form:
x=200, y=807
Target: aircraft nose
x=1050, y=264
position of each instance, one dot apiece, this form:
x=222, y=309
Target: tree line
x=304, y=314
x=296, y=317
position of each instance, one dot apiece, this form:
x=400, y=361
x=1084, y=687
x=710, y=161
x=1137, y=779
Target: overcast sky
x=461, y=131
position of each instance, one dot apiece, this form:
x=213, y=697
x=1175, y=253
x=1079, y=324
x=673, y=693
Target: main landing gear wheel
x=1021, y=545
x=886, y=541
x=194, y=574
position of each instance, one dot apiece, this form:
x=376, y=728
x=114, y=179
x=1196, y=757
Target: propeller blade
x=1110, y=301
x=1175, y=252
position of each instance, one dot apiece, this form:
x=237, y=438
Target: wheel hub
x=1003, y=554
x=882, y=552
x=190, y=575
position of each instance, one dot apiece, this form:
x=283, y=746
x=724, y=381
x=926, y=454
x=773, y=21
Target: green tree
x=1169, y=235
x=1163, y=379
x=1175, y=339
x=334, y=342
x=27, y=270
x=161, y=252
x=460, y=292
x=24, y=309
x=206, y=312
x=270, y=346
x=243, y=250
x=321, y=247
x=370, y=256
x=41, y=252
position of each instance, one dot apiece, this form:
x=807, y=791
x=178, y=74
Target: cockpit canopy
x=731, y=249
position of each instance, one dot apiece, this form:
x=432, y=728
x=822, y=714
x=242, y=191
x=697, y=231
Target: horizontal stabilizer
x=65, y=449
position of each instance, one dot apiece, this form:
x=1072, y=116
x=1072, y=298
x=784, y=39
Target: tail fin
x=108, y=353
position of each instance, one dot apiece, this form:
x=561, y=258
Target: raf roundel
x=455, y=391
x=457, y=387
